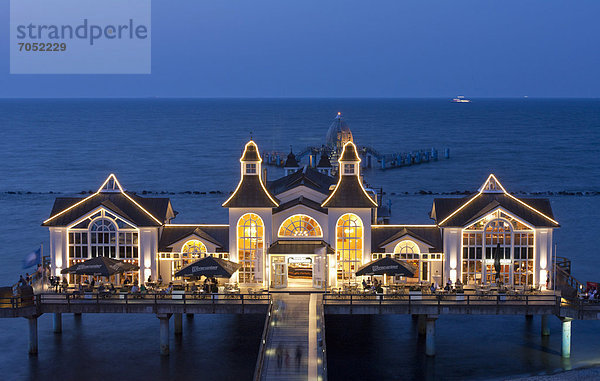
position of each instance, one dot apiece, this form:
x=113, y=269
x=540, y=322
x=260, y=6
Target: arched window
x=480, y=243
x=193, y=249
x=498, y=236
x=349, y=234
x=103, y=234
x=406, y=247
x=103, y=238
x=300, y=225
x=250, y=233
x=409, y=251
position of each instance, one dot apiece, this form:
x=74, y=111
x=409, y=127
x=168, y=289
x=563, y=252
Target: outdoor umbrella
x=387, y=266
x=100, y=266
x=497, y=266
x=210, y=267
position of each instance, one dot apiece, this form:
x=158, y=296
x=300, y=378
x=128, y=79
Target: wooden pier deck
x=295, y=326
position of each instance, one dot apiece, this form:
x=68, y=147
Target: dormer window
x=251, y=169
x=348, y=169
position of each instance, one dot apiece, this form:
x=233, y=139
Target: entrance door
x=279, y=273
x=300, y=271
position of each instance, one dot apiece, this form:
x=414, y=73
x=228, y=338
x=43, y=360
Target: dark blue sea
x=64, y=147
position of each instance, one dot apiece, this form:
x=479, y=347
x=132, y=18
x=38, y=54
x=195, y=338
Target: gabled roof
x=383, y=235
x=216, y=234
x=251, y=192
x=307, y=177
x=141, y=211
x=459, y=212
x=301, y=201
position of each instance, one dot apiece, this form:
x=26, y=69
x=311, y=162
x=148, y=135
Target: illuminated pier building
x=310, y=229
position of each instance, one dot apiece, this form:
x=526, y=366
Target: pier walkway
x=293, y=339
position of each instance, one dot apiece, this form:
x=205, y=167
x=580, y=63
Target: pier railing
x=150, y=298
x=263, y=344
x=443, y=299
x=458, y=303
x=133, y=303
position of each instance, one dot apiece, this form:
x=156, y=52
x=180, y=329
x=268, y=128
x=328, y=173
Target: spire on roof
x=291, y=161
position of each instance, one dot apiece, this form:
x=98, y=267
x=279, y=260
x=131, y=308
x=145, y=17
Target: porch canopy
x=387, y=266
x=210, y=267
x=300, y=247
x=100, y=266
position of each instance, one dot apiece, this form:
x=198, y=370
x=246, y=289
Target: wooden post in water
x=178, y=323
x=430, y=335
x=545, y=327
x=421, y=325
x=164, y=333
x=57, y=322
x=33, y=335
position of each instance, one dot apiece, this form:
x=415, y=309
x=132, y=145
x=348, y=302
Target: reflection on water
x=119, y=347
x=387, y=347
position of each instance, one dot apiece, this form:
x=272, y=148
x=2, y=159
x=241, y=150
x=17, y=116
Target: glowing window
x=348, y=169
x=349, y=245
x=103, y=238
x=103, y=234
x=250, y=168
x=406, y=247
x=300, y=225
x=193, y=249
x=250, y=232
x=512, y=241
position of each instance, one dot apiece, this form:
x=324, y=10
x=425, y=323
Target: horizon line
x=293, y=98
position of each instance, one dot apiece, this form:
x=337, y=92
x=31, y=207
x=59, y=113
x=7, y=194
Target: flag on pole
x=33, y=258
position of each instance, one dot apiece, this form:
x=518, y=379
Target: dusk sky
x=309, y=48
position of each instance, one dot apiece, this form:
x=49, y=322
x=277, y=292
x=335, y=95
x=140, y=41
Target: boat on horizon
x=461, y=99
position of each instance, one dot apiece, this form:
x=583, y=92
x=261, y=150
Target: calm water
x=176, y=146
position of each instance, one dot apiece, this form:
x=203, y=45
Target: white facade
x=308, y=250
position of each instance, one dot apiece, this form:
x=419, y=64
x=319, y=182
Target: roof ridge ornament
x=492, y=185
x=111, y=184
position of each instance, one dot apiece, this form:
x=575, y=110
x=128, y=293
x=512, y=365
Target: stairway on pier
x=291, y=328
